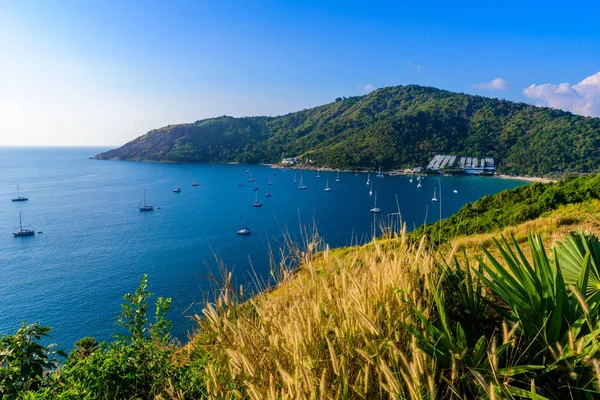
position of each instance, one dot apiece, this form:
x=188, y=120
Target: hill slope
x=392, y=127
x=511, y=208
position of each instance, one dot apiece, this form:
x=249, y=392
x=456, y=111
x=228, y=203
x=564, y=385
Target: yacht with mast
x=21, y=231
x=434, y=198
x=327, y=188
x=145, y=207
x=301, y=186
x=256, y=202
x=19, y=197
x=375, y=209
x=379, y=174
x=338, y=176
x=244, y=230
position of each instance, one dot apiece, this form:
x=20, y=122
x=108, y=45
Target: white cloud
x=368, y=88
x=582, y=98
x=412, y=65
x=494, y=84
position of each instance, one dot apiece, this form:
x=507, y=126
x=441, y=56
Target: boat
x=375, y=209
x=327, y=188
x=19, y=197
x=455, y=191
x=244, y=230
x=247, y=170
x=255, y=188
x=177, y=190
x=256, y=202
x=379, y=174
x=295, y=180
x=418, y=181
x=318, y=173
x=240, y=184
x=23, y=232
x=411, y=178
x=267, y=194
x=270, y=181
x=194, y=182
x=250, y=178
x=145, y=207
x=368, y=178
x=300, y=185
x=434, y=198
x=338, y=177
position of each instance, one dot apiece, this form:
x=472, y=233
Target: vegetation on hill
x=511, y=207
x=512, y=315
x=386, y=320
x=402, y=126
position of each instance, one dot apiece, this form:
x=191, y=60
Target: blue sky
x=104, y=72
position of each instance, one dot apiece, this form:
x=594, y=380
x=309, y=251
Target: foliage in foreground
x=393, y=321
x=140, y=363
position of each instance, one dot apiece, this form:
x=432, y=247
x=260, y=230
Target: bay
x=95, y=245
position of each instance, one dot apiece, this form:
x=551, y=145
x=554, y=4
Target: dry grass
x=332, y=328
x=553, y=227
x=330, y=331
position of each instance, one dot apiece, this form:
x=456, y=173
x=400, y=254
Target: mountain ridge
x=392, y=127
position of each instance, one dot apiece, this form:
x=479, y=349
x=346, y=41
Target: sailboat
x=270, y=181
x=19, y=197
x=379, y=174
x=434, y=198
x=295, y=180
x=244, y=230
x=371, y=190
x=177, y=190
x=250, y=178
x=318, y=173
x=240, y=184
x=375, y=209
x=368, y=178
x=194, y=182
x=411, y=178
x=256, y=202
x=338, y=177
x=255, y=188
x=145, y=207
x=267, y=194
x=418, y=181
x=21, y=231
x=300, y=185
x=327, y=188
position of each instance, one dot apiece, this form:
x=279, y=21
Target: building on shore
x=290, y=161
x=452, y=164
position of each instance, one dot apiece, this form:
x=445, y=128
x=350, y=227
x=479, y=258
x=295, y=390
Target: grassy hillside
x=511, y=207
x=402, y=126
x=500, y=314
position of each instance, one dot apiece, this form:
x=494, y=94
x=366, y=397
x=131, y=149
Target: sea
x=92, y=244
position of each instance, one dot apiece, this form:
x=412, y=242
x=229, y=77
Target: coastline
x=532, y=179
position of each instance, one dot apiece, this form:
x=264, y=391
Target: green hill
x=511, y=207
x=402, y=126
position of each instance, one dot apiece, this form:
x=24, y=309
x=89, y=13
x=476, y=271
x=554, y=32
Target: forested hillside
x=394, y=127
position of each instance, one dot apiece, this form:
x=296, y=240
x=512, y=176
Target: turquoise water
x=96, y=245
